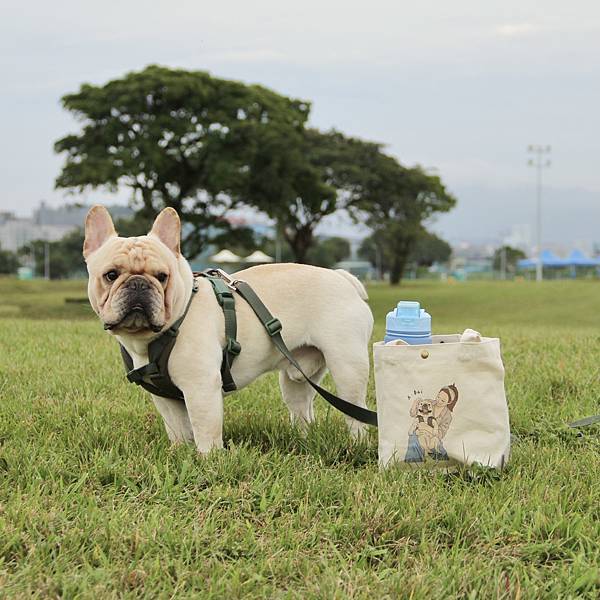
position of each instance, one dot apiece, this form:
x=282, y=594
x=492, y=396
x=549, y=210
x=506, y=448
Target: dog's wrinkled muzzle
x=136, y=319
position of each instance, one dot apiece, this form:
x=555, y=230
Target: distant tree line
x=9, y=262
x=506, y=258
x=205, y=145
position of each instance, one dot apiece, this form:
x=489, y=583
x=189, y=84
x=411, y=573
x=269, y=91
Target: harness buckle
x=225, y=299
x=273, y=326
x=137, y=376
x=233, y=347
x=134, y=377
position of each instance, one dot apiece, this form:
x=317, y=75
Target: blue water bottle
x=408, y=322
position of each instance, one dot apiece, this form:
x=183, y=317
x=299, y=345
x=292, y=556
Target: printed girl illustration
x=431, y=421
x=445, y=402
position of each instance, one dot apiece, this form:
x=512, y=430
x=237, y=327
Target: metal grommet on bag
x=424, y=354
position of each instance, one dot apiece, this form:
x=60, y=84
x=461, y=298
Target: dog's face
x=133, y=282
x=425, y=408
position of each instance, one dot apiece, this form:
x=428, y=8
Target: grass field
x=94, y=502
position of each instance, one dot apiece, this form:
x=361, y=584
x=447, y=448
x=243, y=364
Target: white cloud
x=249, y=55
x=518, y=29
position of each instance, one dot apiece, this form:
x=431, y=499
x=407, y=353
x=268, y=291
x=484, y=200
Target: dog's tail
x=358, y=286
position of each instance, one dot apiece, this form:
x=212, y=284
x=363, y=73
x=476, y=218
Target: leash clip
x=226, y=277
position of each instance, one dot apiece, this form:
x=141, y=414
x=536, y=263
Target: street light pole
x=539, y=161
x=277, y=242
x=46, y=261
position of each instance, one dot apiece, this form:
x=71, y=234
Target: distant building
x=47, y=223
x=519, y=237
x=73, y=214
x=16, y=232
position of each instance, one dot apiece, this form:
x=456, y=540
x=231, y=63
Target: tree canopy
x=395, y=203
x=175, y=138
x=428, y=249
x=299, y=182
x=204, y=145
x=510, y=255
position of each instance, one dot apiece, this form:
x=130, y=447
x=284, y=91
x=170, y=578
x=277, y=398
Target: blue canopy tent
x=526, y=263
x=549, y=260
x=578, y=259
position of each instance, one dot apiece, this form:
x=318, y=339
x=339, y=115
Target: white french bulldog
x=139, y=286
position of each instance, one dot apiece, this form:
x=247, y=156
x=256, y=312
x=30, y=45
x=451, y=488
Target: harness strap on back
x=273, y=327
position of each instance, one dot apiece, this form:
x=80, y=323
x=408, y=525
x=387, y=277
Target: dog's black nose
x=138, y=283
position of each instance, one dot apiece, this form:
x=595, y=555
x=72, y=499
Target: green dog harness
x=154, y=377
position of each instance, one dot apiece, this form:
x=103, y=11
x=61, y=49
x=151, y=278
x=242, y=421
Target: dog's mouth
x=135, y=320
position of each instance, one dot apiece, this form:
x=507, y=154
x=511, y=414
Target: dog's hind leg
x=299, y=396
x=350, y=372
x=296, y=392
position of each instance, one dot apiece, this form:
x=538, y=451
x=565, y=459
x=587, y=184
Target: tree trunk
x=401, y=252
x=300, y=241
x=397, y=269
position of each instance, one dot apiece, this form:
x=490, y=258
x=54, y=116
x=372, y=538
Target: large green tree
x=177, y=138
x=427, y=249
x=395, y=202
x=300, y=181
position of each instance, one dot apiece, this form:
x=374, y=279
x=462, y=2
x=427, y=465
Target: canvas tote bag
x=442, y=404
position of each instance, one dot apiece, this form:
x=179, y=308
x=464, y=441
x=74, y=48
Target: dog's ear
x=98, y=228
x=167, y=228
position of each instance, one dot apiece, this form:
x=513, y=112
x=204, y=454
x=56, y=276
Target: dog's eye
x=162, y=277
x=111, y=275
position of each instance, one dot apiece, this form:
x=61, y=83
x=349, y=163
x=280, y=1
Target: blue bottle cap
x=408, y=317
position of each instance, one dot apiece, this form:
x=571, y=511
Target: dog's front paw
x=205, y=448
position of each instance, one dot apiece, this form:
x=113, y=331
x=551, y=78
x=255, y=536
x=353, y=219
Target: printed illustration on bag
x=431, y=421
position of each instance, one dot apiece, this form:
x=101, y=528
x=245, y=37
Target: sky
x=459, y=87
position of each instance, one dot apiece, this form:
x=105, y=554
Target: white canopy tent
x=226, y=256
x=258, y=257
